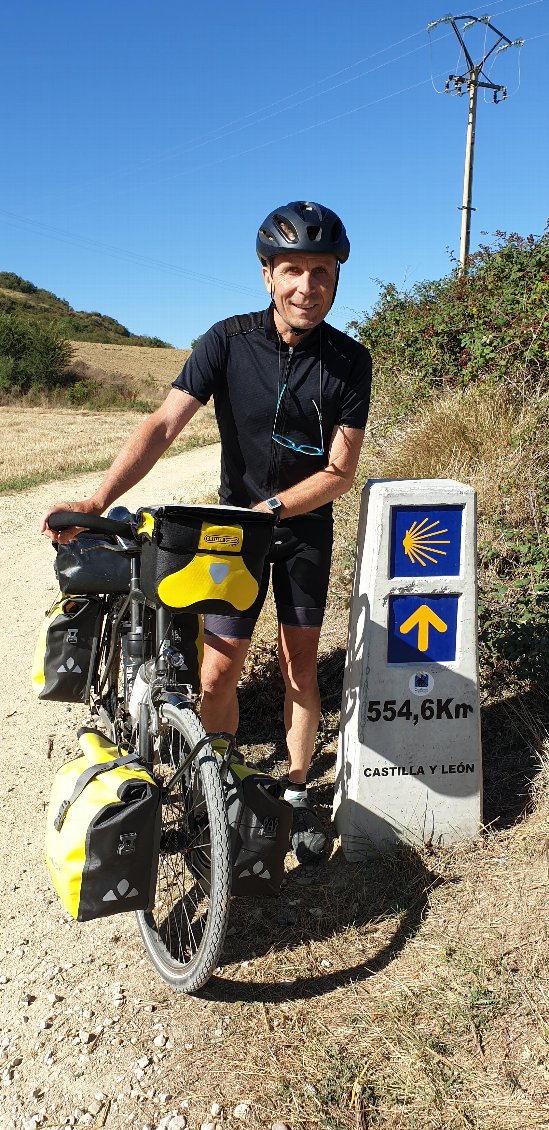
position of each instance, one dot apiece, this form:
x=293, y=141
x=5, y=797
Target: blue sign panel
x=425, y=541
x=422, y=628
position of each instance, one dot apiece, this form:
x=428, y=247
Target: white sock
x=295, y=792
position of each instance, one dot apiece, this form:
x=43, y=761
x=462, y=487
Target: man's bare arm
x=333, y=481
x=139, y=454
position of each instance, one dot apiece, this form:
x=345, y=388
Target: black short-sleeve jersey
x=260, y=385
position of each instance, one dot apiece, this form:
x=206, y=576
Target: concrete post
x=409, y=756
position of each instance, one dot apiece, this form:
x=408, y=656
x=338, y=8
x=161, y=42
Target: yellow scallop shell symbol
x=422, y=540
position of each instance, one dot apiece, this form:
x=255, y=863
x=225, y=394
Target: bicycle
x=139, y=696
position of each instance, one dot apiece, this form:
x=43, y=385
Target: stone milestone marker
x=409, y=756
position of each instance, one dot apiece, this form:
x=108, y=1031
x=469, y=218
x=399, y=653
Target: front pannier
x=261, y=823
x=92, y=563
x=203, y=558
x=66, y=650
x=103, y=831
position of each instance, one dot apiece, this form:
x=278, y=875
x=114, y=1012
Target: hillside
x=149, y=371
x=19, y=296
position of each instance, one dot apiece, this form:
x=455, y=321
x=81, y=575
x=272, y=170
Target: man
x=291, y=396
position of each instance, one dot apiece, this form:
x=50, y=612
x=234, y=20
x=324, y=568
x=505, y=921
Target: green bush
x=489, y=325
x=32, y=356
x=10, y=281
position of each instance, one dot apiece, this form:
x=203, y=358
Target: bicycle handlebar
x=64, y=519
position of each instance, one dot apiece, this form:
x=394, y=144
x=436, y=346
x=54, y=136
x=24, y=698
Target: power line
x=130, y=256
x=123, y=253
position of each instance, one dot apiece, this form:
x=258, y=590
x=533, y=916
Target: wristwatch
x=275, y=506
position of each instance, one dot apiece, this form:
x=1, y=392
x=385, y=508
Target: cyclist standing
x=291, y=396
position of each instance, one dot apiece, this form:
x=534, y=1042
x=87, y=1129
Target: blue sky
x=143, y=143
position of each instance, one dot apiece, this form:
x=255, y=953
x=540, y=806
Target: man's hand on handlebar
x=88, y=506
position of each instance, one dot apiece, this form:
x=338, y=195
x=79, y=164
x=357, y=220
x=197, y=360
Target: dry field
x=41, y=444
x=140, y=364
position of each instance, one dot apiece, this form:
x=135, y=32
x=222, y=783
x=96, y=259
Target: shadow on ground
x=385, y=901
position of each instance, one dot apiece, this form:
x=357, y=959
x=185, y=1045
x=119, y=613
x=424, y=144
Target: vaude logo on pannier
x=270, y=827
x=69, y=667
x=122, y=892
x=221, y=539
x=258, y=869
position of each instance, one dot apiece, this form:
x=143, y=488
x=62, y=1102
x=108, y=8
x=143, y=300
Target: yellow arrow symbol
x=423, y=617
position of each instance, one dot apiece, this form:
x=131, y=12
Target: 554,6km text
x=430, y=709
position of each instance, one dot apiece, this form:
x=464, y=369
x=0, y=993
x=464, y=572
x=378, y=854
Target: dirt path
x=88, y=1035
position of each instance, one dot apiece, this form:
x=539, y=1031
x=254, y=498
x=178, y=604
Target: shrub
x=10, y=281
x=489, y=325
x=32, y=356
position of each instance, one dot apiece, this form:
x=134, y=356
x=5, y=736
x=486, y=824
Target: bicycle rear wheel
x=185, y=931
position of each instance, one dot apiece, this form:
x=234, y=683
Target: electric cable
x=122, y=253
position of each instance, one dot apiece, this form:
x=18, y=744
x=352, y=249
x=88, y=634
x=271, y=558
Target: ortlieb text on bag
x=66, y=649
x=103, y=831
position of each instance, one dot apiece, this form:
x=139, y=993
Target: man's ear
x=267, y=277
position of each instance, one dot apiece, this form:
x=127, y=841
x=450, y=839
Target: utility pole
x=470, y=80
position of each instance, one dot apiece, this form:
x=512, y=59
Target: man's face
x=303, y=288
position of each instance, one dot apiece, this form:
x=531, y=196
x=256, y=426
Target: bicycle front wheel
x=185, y=931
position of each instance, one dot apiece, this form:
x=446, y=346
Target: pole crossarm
x=475, y=71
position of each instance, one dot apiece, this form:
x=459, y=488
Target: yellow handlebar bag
x=203, y=558
x=103, y=831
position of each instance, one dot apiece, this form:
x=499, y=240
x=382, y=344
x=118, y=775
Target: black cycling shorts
x=300, y=559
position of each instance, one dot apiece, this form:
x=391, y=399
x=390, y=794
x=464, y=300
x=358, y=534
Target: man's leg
x=297, y=653
x=221, y=669
x=298, y=648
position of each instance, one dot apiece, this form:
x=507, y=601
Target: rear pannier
x=103, y=831
x=203, y=558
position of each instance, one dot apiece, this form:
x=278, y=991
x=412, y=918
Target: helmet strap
x=338, y=268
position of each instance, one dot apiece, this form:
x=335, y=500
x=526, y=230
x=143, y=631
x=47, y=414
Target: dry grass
x=408, y=994
x=411, y=993
x=496, y=443
x=149, y=370
x=41, y=444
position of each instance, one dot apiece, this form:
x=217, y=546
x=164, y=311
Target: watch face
x=274, y=504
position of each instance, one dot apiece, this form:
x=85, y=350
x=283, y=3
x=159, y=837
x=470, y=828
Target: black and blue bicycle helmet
x=302, y=226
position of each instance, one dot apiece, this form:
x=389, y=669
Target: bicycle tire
x=184, y=933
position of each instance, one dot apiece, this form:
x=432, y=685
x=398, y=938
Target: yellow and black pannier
x=66, y=650
x=103, y=831
x=260, y=824
x=203, y=558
